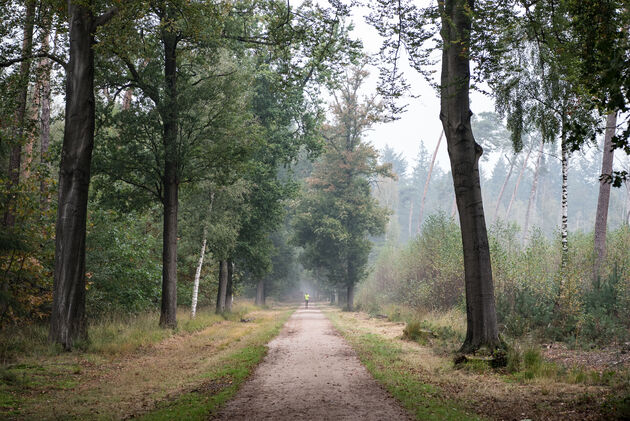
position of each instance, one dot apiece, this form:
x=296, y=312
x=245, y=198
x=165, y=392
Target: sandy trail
x=311, y=373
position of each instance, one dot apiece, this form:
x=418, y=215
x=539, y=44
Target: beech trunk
x=603, y=199
x=464, y=154
x=67, y=319
x=168, y=314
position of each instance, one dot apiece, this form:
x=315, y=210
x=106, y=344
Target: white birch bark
x=193, y=306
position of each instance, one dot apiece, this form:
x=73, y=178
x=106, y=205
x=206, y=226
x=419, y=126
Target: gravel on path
x=311, y=373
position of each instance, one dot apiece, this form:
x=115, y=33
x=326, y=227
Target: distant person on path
x=306, y=297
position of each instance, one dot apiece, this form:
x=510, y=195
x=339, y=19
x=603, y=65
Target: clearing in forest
x=311, y=372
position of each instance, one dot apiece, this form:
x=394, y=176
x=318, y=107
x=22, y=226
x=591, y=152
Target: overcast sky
x=421, y=120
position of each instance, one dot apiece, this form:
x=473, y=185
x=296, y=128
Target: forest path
x=311, y=372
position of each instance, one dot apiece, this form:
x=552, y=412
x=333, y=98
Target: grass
x=135, y=368
x=117, y=334
x=221, y=383
x=383, y=359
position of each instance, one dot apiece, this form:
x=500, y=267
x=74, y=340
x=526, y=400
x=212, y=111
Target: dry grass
x=499, y=395
x=135, y=370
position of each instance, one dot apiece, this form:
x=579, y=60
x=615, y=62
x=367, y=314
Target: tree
x=67, y=320
x=337, y=213
x=464, y=154
x=603, y=199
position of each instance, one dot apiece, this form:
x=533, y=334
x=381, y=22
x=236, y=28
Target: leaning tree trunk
x=505, y=182
x=229, y=292
x=222, y=291
x=532, y=193
x=168, y=314
x=67, y=319
x=426, y=184
x=15, y=156
x=464, y=155
x=603, y=200
x=195, y=293
x=564, y=229
x=518, y=183
x=260, y=293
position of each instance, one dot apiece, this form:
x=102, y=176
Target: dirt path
x=311, y=372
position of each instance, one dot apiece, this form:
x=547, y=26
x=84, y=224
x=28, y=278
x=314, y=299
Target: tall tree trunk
x=518, y=183
x=222, y=291
x=67, y=319
x=603, y=200
x=260, y=293
x=229, y=291
x=15, y=156
x=564, y=229
x=350, y=297
x=464, y=155
x=505, y=182
x=426, y=184
x=193, y=306
x=410, y=217
x=168, y=315
x=532, y=193
x=44, y=135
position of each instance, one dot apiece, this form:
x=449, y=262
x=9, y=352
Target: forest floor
x=424, y=378
x=310, y=372
x=185, y=376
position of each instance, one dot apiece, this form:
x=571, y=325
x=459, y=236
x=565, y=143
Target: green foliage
x=531, y=299
x=123, y=260
x=338, y=213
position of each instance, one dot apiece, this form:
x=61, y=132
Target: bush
x=532, y=298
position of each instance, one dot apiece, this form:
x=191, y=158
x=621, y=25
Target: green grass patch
x=221, y=383
x=383, y=359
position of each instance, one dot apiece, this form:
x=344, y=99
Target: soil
x=311, y=372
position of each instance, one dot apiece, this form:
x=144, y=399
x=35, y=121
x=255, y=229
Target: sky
x=421, y=120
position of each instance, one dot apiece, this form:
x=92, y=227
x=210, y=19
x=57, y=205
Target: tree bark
x=350, y=297
x=229, y=292
x=15, y=156
x=426, y=184
x=44, y=135
x=518, y=183
x=532, y=193
x=564, y=229
x=603, y=199
x=505, y=182
x=67, y=319
x=410, y=217
x=222, y=292
x=260, y=293
x=464, y=154
x=168, y=315
x=193, y=306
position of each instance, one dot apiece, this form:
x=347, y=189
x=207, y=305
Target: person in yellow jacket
x=306, y=297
